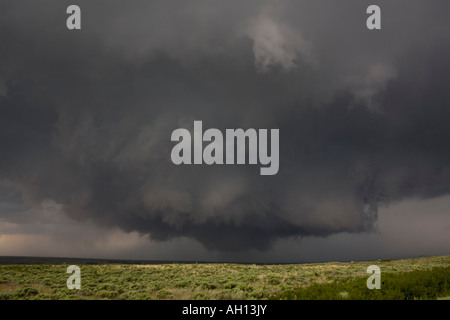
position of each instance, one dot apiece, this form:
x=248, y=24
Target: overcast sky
x=86, y=118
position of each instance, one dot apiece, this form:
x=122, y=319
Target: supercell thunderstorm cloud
x=86, y=116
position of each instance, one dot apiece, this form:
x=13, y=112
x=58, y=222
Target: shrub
x=208, y=285
x=164, y=294
x=107, y=294
x=273, y=280
x=181, y=283
x=25, y=292
x=257, y=294
x=200, y=296
x=6, y=296
x=230, y=285
x=245, y=287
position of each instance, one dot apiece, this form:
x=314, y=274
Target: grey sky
x=86, y=119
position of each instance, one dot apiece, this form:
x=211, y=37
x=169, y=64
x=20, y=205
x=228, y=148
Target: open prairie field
x=421, y=278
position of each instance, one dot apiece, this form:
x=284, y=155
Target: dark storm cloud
x=86, y=116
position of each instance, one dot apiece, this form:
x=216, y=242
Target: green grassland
x=421, y=278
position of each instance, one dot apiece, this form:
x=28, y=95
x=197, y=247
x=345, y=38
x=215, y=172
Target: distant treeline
x=61, y=260
x=13, y=260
